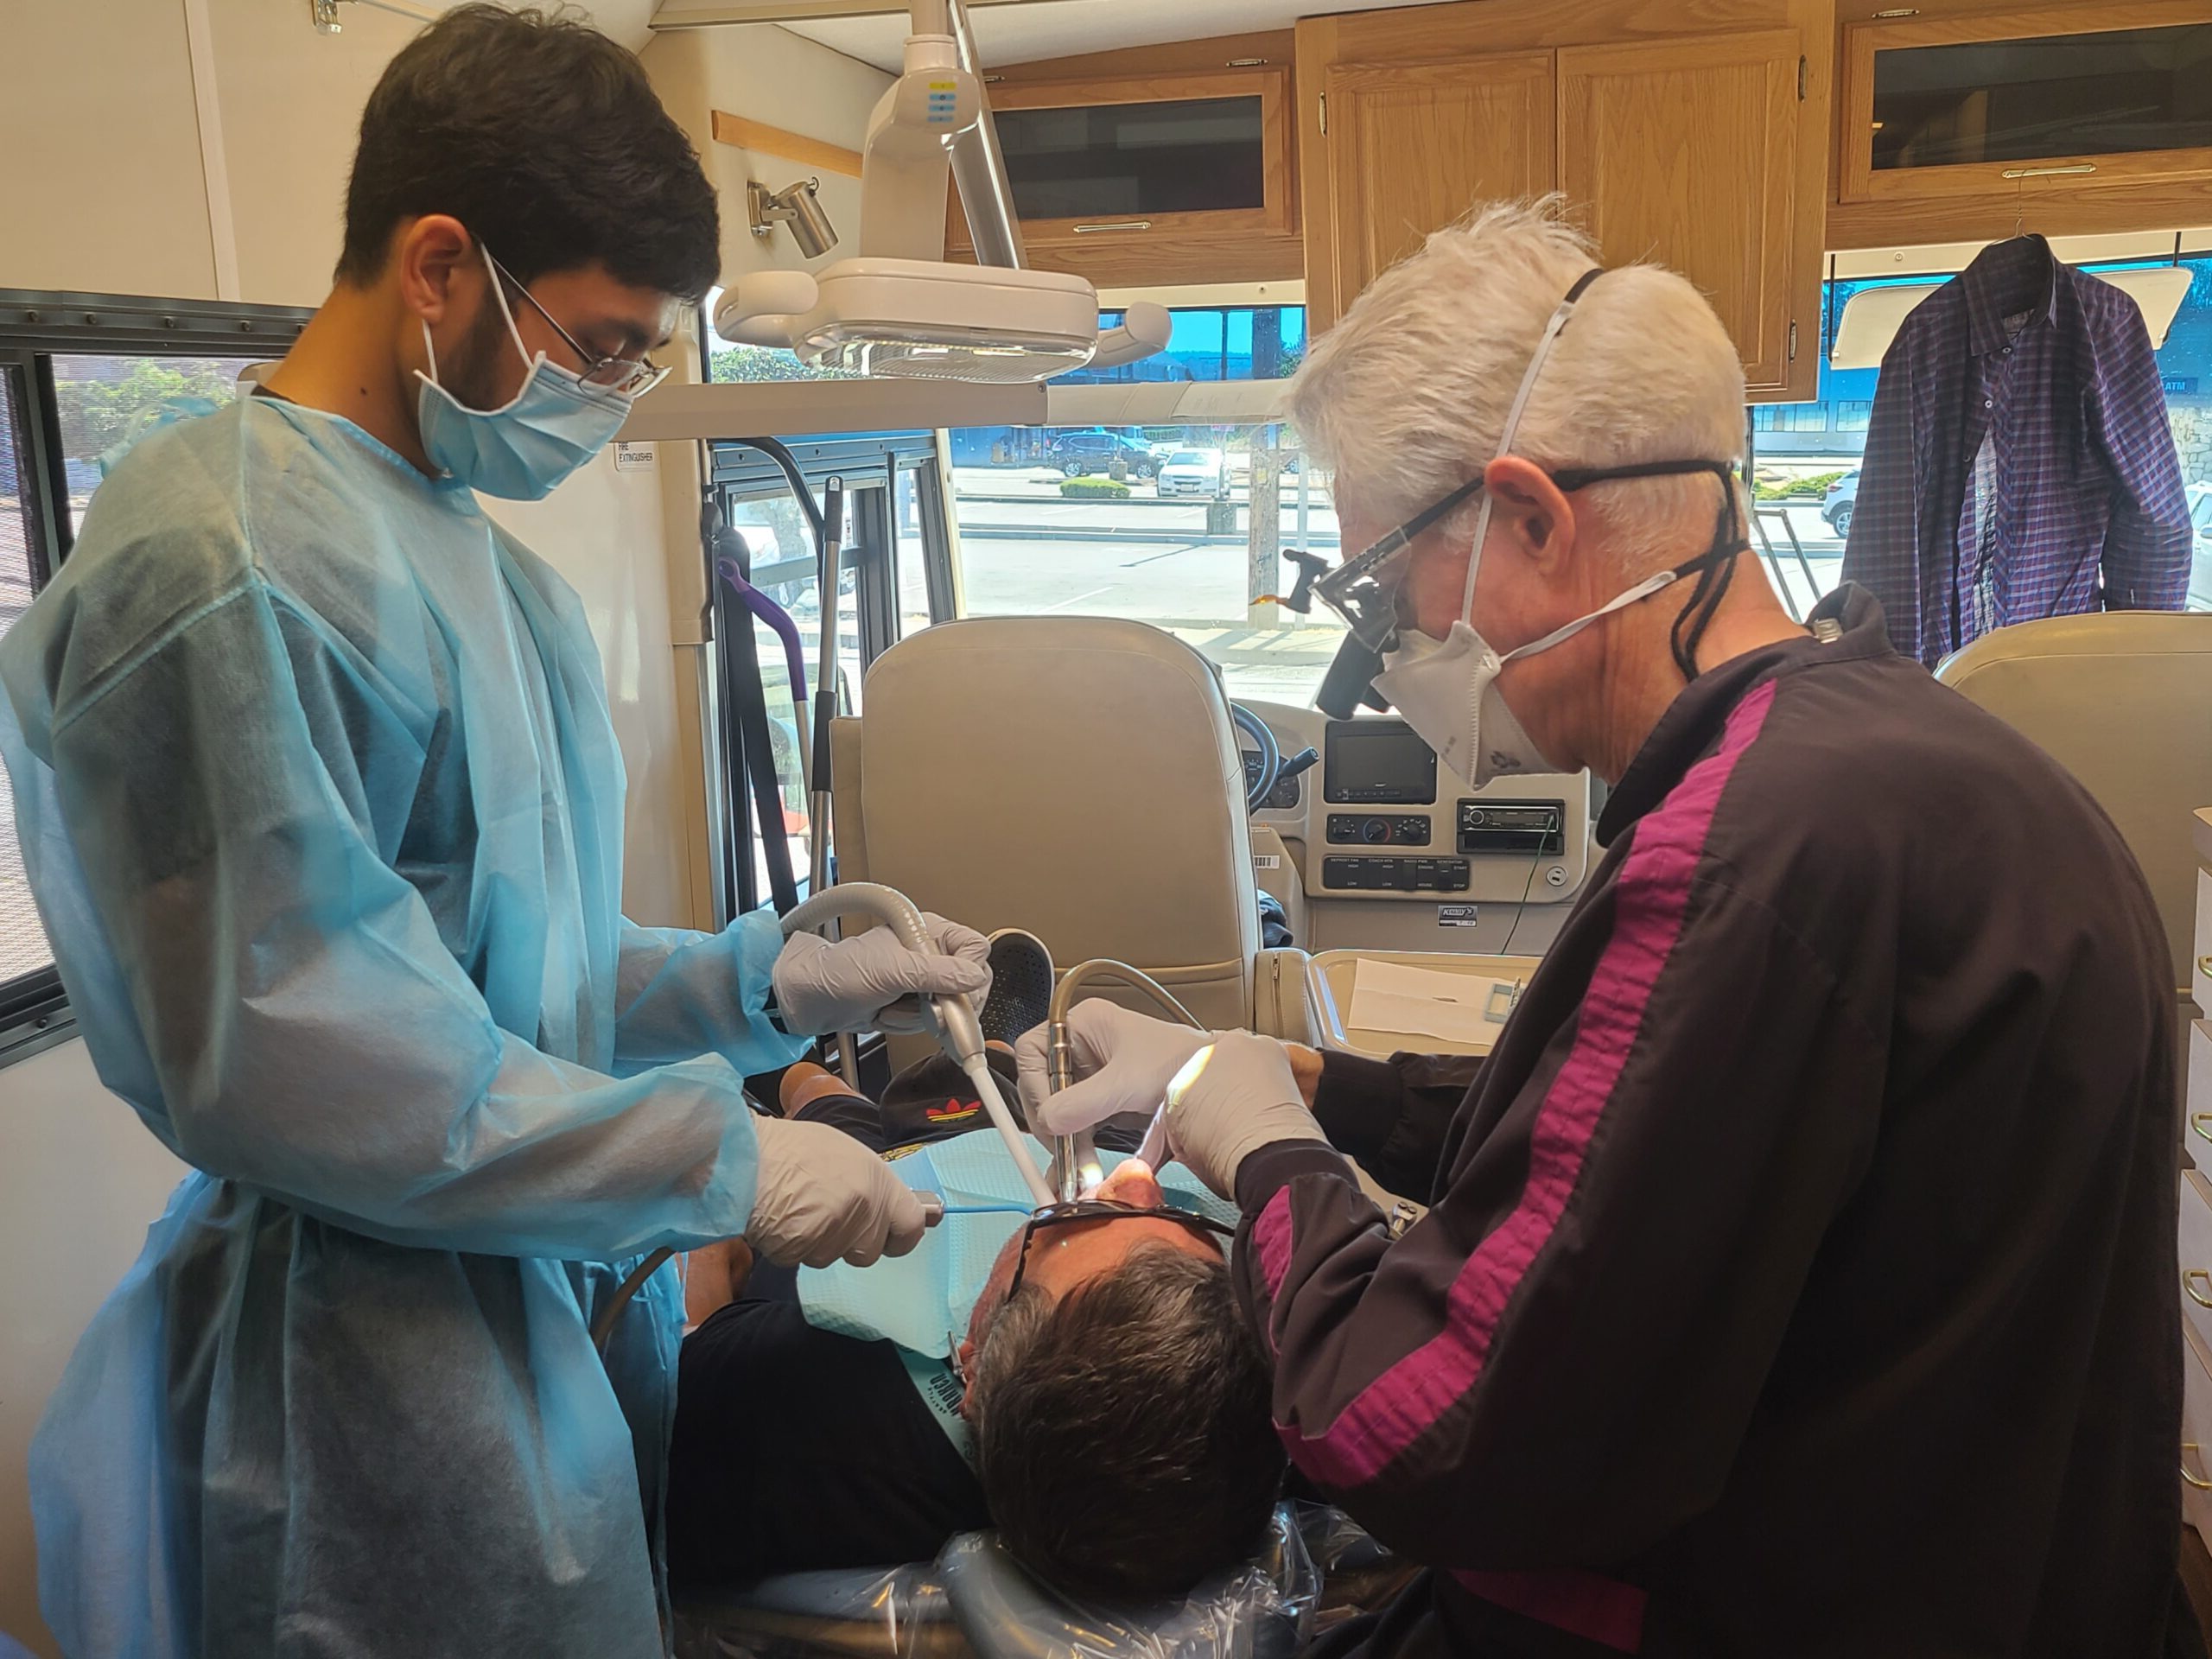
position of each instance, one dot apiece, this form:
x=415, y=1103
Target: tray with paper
x=1382, y=1002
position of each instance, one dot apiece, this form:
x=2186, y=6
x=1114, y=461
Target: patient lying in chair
x=1105, y=1406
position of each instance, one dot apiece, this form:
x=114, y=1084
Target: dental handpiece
x=959, y=1031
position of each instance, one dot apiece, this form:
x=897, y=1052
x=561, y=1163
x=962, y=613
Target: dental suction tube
x=1075, y=1157
x=960, y=1032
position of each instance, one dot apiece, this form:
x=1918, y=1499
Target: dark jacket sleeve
x=1883, y=553
x=1391, y=1116
x=1557, y=1364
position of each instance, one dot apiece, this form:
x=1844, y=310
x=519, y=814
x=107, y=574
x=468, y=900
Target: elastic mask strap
x=1635, y=595
x=1713, y=568
x=500, y=293
x=1716, y=570
x=1551, y=329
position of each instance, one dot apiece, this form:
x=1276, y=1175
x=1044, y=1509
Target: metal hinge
x=1792, y=339
x=1324, y=115
x=1803, y=71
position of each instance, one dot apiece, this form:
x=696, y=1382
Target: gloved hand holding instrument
x=820, y=1197
x=876, y=981
x=1244, y=1096
x=1229, y=1099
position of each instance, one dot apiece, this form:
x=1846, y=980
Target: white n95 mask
x=1447, y=690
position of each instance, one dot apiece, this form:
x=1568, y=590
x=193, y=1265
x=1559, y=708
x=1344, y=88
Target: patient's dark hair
x=1121, y=1430
x=544, y=138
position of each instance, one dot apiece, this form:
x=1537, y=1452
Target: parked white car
x=1193, y=471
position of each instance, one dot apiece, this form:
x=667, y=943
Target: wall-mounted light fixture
x=797, y=206
x=324, y=13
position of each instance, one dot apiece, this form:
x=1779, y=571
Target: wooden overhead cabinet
x=1704, y=151
x=2076, y=118
x=1172, y=177
x=1409, y=145
x=1685, y=152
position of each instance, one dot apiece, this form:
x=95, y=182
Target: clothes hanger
x=2020, y=175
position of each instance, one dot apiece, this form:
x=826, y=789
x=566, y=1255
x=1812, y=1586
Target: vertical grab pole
x=825, y=708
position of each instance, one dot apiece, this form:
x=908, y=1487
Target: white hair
x=1407, y=396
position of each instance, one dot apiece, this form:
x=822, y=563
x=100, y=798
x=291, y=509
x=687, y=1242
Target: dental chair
x=1078, y=777
x=2122, y=700
x=974, y=1602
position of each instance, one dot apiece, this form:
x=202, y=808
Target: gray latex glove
x=1229, y=1100
x=1123, y=1063
x=871, y=982
x=821, y=1197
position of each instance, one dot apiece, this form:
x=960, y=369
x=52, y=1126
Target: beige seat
x=1076, y=777
x=2123, y=700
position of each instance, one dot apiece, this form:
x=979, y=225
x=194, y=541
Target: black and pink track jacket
x=1800, y=1277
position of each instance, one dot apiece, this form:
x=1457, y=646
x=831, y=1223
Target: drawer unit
x=2196, y=1102
x=2200, y=960
x=2195, y=1252
x=2200, y=957
x=2196, y=1470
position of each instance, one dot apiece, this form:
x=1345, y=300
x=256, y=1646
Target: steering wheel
x=1256, y=792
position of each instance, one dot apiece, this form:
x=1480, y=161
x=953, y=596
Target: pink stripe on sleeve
x=1271, y=1240
x=1651, y=897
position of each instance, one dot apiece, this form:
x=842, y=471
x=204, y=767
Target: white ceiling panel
x=626, y=21
x=1018, y=32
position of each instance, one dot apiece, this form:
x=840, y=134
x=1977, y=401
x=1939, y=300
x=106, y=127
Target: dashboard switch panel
x=1394, y=874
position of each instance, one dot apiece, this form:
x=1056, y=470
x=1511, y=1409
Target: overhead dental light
x=900, y=309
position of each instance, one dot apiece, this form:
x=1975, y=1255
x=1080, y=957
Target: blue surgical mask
x=551, y=426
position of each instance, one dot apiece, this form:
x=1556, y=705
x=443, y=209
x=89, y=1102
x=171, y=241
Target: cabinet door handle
x=2204, y=966
x=2198, y=1481
x=2189, y=1280
x=1118, y=224
x=2201, y=1124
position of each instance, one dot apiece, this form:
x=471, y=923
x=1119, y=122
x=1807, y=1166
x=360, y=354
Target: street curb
x=1128, y=537
x=1130, y=500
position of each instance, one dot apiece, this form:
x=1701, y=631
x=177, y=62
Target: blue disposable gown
x=322, y=806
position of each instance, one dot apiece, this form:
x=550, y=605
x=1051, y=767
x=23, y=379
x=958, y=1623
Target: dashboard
x=1390, y=848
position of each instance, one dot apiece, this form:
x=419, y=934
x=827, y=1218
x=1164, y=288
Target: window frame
x=36, y=326
x=753, y=470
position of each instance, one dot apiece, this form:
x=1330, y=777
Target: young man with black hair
x=321, y=804
x=1106, y=1409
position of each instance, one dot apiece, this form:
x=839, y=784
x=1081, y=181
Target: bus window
x=1156, y=524
x=1808, y=453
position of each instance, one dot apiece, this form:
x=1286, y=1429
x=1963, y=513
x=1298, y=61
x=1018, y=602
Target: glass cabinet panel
x=1121, y=161
x=2108, y=92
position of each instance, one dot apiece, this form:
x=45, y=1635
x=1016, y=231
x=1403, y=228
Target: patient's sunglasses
x=1075, y=1210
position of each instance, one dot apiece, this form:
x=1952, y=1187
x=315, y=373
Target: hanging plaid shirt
x=2054, y=369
